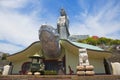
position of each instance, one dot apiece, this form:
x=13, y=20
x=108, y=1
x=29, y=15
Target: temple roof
x=73, y=47
x=83, y=45
x=93, y=51
x=86, y=46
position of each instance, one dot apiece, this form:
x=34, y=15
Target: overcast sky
x=20, y=20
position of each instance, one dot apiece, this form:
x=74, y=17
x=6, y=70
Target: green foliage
x=50, y=72
x=105, y=41
x=99, y=41
x=90, y=40
x=116, y=42
x=4, y=56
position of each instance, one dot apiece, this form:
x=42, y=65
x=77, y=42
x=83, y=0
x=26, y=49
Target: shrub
x=50, y=72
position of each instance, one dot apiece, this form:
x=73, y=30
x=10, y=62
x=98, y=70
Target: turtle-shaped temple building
x=58, y=52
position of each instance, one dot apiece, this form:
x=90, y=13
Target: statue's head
x=62, y=12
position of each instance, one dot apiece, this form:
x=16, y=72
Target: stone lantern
x=37, y=64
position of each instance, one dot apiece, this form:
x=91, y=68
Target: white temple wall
x=98, y=65
x=17, y=66
x=72, y=60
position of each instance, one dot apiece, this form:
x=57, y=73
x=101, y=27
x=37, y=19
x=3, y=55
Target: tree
x=105, y=41
x=4, y=56
x=90, y=40
x=99, y=41
x=116, y=42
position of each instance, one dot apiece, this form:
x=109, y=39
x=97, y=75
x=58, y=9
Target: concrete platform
x=60, y=77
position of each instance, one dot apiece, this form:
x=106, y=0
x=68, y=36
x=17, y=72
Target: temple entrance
x=56, y=65
x=51, y=65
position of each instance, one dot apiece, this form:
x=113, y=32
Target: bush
x=50, y=72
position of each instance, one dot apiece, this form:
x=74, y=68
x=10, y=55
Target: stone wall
x=60, y=77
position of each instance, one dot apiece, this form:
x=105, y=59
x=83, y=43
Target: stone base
x=60, y=77
x=85, y=70
x=89, y=68
x=81, y=73
x=80, y=68
x=29, y=73
x=37, y=73
x=89, y=73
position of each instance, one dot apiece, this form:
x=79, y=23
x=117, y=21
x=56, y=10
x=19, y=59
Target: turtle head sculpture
x=49, y=39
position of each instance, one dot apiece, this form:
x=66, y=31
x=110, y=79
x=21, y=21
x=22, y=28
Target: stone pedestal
x=29, y=73
x=85, y=70
x=81, y=73
x=37, y=73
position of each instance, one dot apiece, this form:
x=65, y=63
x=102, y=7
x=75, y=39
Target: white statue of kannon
x=62, y=25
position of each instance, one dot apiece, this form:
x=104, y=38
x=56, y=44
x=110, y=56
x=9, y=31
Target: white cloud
x=4, y=47
x=102, y=23
x=17, y=28
x=12, y=3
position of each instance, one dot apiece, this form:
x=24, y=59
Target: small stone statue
x=83, y=57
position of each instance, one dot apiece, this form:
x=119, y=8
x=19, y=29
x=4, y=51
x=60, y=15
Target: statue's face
x=62, y=12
